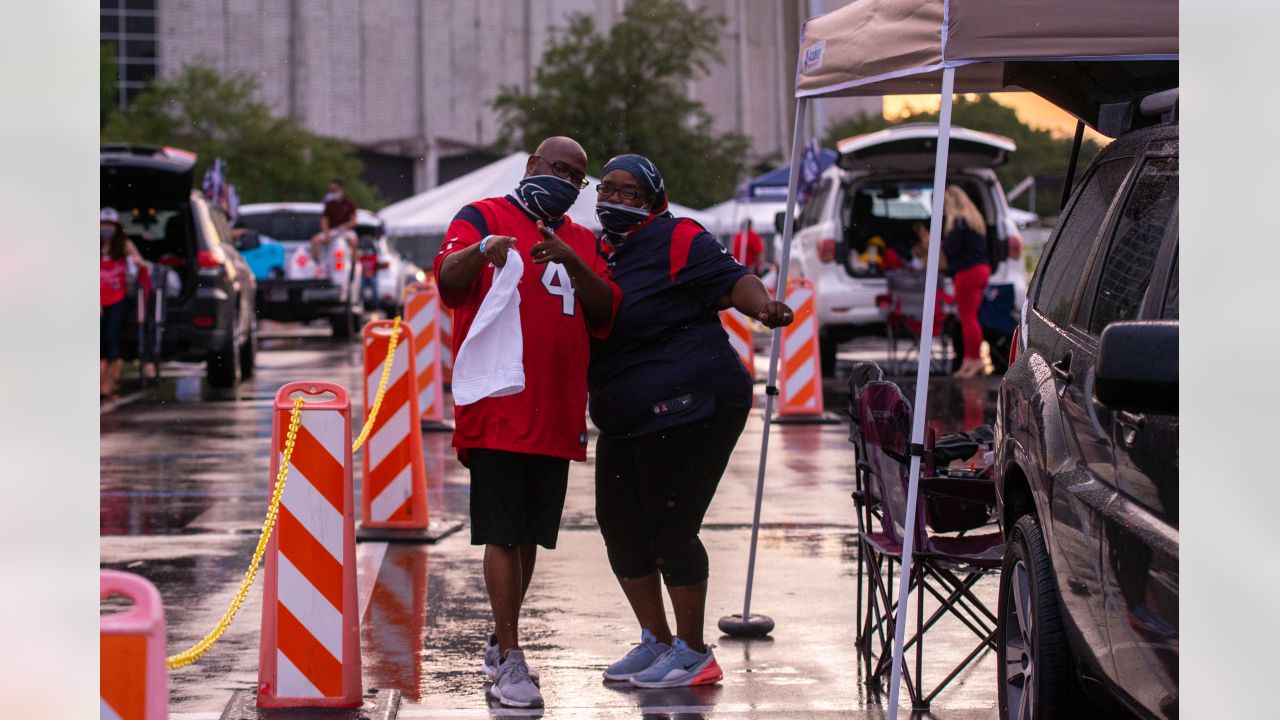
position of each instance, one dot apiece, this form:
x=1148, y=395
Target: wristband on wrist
x=484, y=241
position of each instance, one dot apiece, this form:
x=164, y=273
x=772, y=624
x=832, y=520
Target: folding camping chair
x=947, y=561
x=149, y=314
x=903, y=309
x=867, y=508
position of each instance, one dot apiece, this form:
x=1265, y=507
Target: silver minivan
x=864, y=209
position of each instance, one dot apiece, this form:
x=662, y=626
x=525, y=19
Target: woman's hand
x=775, y=314
x=495, y=249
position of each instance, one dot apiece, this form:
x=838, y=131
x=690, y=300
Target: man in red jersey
x=518, y=447
x=747, y=247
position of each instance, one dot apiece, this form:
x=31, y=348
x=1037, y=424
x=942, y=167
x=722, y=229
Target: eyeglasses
x=629, y=194
x=564, y=172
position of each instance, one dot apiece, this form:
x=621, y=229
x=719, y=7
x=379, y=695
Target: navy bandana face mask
x=619, y=219
x=546, y=197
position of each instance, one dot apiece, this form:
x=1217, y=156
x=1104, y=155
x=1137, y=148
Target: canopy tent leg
x=922, y=383
x=746, y=624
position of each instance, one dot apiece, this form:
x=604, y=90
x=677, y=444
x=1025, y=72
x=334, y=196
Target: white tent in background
x=429, y=213
x=1076, y=54
x=730, y=214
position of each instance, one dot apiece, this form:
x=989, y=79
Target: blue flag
x=810, y=171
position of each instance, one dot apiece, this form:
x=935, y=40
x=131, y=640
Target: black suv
x=1087, y=444
x=209, y=310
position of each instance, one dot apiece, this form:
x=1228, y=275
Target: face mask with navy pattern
x=546, y=197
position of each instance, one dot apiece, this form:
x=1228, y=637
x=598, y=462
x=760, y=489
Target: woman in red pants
x=964, y=243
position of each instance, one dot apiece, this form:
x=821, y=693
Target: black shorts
x=110, y=330
x=516, y=498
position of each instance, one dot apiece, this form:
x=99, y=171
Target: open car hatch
x=154, y=176
x=912, y=148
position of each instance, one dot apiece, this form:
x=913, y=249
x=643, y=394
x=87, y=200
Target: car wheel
x=827, y=354
x=249, y=351
x=343, y=325
x=999, y=344
x=221, y=368
x=1036, y=672
x=951, y=329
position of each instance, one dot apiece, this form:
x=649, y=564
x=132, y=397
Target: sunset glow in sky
x=1031, y=109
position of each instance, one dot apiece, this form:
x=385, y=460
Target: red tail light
x=827, y=250
x=203, y=321
x=1015, y=246
x=207, y=260
x=1013, y=348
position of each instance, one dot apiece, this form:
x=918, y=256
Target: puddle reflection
x=394, y=626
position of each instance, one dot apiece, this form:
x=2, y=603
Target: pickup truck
x=303, y=290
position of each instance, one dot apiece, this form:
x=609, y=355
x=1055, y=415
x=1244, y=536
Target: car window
x=1140, y=229
x=812, y=211
x=283, y=225
x=204, y=219
x=1170, y=310
x=220, y=222
x=1059, y=274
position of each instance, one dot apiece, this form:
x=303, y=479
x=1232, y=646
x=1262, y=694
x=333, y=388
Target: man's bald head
x=557, y=149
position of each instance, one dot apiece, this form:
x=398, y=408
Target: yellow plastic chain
x=382, y=386
x=198, y=650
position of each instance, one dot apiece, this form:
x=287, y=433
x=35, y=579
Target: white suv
x=880, y=186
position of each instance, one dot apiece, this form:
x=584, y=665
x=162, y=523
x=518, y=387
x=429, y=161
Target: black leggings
x=652, y=492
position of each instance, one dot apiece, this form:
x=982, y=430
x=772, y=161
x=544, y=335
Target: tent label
x=813, y=57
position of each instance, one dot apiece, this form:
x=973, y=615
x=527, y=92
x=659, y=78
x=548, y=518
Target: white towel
x=491, y=360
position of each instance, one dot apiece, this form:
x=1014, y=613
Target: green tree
x=268, y=158
x=1039, y=152
x=108, y=72
x=625, y=92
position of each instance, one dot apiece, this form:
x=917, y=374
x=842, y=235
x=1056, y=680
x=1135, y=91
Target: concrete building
x=411, y=82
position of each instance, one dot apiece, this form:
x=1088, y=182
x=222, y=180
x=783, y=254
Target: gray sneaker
x=513, y=687
x=640, y=658
x=490, y=664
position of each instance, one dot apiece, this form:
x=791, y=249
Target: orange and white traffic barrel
x=422, y=314
x=738, y=327
x=394, y=490
x=310, y=649
x=801, y=378
x=132, y=676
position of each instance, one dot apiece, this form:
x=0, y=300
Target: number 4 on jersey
x=556, y=280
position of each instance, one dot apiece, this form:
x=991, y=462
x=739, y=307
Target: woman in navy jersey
x=670, y=397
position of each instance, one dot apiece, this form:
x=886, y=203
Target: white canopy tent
x=429, y=213
x=1076, y=54
x=729, y=215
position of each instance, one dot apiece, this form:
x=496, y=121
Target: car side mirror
x=1137, y=367
x=248, y=240
x=780, y=221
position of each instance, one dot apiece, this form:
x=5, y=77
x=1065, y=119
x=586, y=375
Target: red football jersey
x=549, y=416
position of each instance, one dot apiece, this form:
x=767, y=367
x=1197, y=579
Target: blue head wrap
x=645, y=173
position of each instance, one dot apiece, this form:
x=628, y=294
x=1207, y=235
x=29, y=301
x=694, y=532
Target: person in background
x=518, y=447
x=117, y=255
x=338, y=216
x=670, y=398
x=965, y=258
x=748, y=248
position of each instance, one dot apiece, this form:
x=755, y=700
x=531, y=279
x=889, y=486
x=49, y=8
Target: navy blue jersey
x=667, y=360
x=964, y=247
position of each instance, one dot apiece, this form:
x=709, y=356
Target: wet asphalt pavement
x=184, y=484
